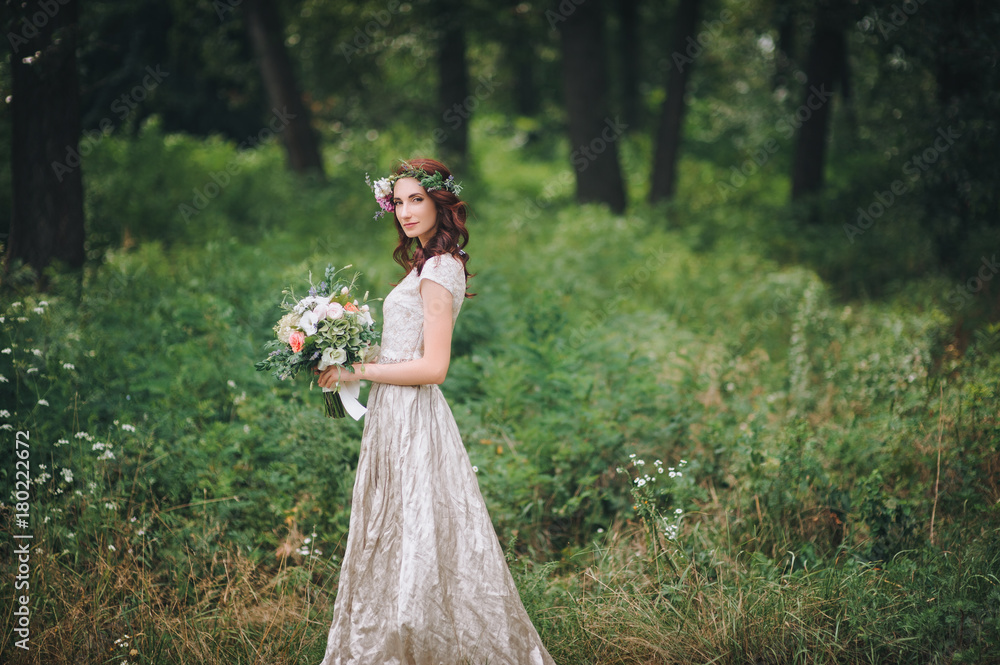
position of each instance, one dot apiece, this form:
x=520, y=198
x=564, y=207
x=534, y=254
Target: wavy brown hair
x=451, y=236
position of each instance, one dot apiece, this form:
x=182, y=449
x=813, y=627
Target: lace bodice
x=403, y=309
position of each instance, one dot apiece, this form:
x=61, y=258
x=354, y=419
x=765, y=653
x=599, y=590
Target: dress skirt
x=424, y=580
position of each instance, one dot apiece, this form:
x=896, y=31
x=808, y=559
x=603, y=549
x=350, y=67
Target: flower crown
x=382, y=188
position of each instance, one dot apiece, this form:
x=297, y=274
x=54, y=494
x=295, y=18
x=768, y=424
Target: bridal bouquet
x=327, y=327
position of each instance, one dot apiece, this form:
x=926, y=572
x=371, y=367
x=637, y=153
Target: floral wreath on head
x=382, y=188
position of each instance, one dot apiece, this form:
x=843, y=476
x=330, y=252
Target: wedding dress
x=423, y=581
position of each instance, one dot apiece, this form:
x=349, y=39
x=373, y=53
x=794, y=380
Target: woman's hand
x=334, y=374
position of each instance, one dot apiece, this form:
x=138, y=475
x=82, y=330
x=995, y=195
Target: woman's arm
x=432, y=368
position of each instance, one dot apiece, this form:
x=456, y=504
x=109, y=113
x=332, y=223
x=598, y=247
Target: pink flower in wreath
x=296, y=340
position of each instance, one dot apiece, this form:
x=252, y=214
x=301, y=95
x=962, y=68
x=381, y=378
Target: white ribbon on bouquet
x=349, y=393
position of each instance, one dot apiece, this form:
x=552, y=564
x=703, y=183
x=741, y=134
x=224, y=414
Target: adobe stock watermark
x=219, y=180
x=697, y=45
x=585, y=155
x=581, y=159
x=786, y=126
x=625, y=288
x=917, y=164
x=361, y=40
x=47, y=10
x=534, y=206
x=893, y=21
x=564, y=11
x=964, y=294
x=122, y=106
x=459, y=113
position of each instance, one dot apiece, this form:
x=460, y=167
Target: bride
x=423, y=581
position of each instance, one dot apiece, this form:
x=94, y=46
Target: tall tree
x=668, y=143
x=824, y=69
x=593, y=132
x=454, y=102
x=629, y=61
x=265, y=30
x=47, y=221
x=519, y=45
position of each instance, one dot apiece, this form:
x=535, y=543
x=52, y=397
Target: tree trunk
x=47, y=222
x=454, y=102
x=593, y=132
x=290, y=116
x=664, y=178
x=823, y=72
x=520, y=48
x=628, y=36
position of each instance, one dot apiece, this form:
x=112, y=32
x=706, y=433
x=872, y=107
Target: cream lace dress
x=424, y=581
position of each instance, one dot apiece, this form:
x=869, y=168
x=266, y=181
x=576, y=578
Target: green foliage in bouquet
x=328, y=327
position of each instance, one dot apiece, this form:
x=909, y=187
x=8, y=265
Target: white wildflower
x=128, y=428
x=37, y=352
x=7, y=351
x=231, y=383
x=67, y=474
x=111, y=548
x=43, y=402
x=69, y=366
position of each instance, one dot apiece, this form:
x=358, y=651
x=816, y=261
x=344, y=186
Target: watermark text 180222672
x=22, y=537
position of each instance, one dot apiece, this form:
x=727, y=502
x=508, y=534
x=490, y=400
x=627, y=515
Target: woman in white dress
x=424, y=580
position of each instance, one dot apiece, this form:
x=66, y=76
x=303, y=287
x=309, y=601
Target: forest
x=730, y=380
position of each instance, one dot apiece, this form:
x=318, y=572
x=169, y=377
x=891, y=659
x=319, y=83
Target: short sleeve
x=447, y=271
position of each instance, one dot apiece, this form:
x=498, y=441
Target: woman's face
x=415, y=211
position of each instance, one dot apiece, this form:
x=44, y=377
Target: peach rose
x=296, y=340
x=351, y=307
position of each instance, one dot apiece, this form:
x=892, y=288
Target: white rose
x=334, y=311
x=331, y=356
